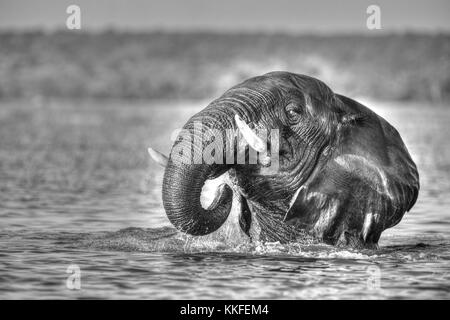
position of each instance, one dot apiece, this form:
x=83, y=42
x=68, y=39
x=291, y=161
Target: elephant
x=343, y=176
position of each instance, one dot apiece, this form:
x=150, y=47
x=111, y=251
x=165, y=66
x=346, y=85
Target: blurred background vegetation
x=167, y=65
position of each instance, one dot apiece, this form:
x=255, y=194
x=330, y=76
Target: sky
x=295, y=16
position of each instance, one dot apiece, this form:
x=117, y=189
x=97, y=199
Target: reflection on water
x=77, y=187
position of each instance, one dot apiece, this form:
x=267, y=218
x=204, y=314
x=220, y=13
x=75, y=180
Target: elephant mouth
x=286, y=154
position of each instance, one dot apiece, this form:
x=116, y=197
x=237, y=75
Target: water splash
x=169, y=240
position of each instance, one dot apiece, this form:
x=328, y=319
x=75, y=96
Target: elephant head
x=343, y=173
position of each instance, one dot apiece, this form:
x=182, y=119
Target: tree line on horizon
x=169, y=65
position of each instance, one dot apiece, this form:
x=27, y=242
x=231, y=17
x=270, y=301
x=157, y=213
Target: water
x=78, y=189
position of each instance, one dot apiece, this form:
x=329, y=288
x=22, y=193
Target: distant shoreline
x=200, y=32
x=199, y=65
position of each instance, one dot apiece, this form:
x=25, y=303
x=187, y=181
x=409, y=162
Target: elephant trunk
x=185, y=176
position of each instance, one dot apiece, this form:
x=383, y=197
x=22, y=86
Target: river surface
x=81, y=216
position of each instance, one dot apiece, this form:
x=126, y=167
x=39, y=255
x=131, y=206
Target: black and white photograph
x=241, y=150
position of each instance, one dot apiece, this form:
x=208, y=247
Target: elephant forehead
x=274, y=85
x=366, y=170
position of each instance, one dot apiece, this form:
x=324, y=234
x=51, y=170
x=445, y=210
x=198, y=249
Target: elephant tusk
x=250, y=136
x=289, y=213
x=158, y=157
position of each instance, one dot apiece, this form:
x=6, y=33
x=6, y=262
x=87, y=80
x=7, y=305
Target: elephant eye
x=293, y=112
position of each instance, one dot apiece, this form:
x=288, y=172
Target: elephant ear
x=367, y=185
